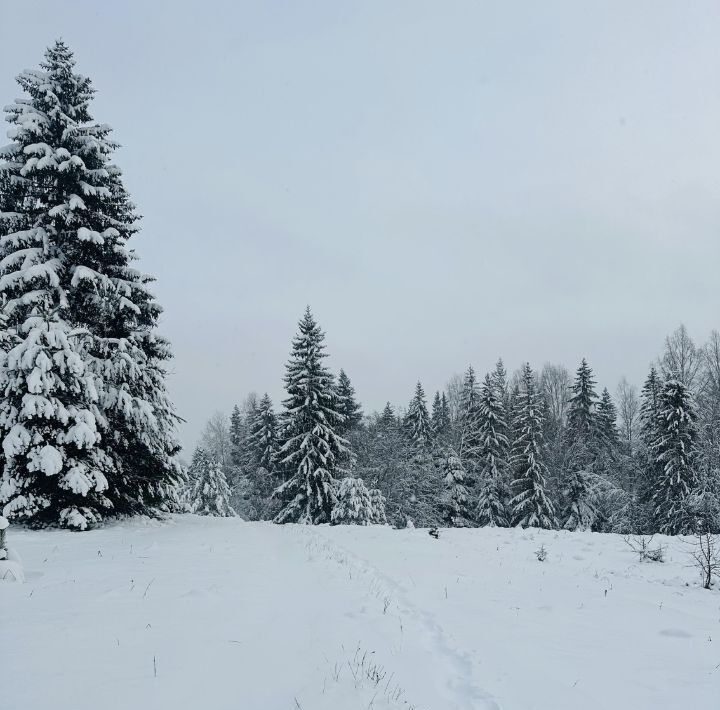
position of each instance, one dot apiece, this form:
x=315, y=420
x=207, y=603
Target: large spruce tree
x=311, y=447
x=69, y=287
x=530, y=505
x=347, y=404
x=418, y=429
x=581, y=437
x=674, y=452
x=494, y=464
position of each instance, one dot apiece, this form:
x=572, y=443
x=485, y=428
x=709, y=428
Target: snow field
x=219, y=613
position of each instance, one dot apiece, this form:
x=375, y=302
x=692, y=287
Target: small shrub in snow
x=354, y=505
x=644, y=549
x=541, y=553
x=706, y=553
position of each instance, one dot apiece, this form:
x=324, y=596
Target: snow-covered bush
x=354, y=505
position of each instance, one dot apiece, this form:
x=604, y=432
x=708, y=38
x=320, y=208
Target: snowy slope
x=219, y=613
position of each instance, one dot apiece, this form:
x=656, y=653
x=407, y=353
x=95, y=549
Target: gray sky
x=443, y=182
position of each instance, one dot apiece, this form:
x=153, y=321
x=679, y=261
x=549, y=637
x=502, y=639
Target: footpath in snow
x=219, y=613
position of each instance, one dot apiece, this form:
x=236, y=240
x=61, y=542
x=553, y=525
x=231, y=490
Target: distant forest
x=532, y=448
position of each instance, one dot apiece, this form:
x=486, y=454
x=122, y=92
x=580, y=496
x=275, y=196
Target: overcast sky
x=443, y=182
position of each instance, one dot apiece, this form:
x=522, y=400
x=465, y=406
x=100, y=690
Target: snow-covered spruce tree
x=502, y=392
x=607, y=422
x=494, y=465
x=347, y=404
x=438, y=418
x=469, y=443
x=65, y=262
x=650, y=407
x=211, y=492
x=54, y=471
x=311, y=445
x=263, y=435
x=354, y=505
x=198, y=465
x=378, y=503
x=237, y=436
x=417, y=422
x=581, y=437
x=530, y=505
x=260, y=468
x=581, y=418
x=648, y=471
x=674, y=452
x=455, y=500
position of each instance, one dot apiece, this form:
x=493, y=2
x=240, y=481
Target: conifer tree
x=674, y=452
x=210, y=493
x=582, y=437
x=263, y=435
x=54, y=471
x=438, y=418
x=607, y=421
x=445, y=413
x=66, y=269
x=378, y=503
x=494, y=464
x=237, y=435
x=649, y=470
x=417, y=422
x=650, y=407
x=503, y=394
x=354, y=504
x=311, y=445
x=530, y=504
x=469, y=444
x=387, y=418
x=455, y=501
x=347, y=404
x=581, y=413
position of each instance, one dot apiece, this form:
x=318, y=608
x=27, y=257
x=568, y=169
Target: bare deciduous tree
x=215, y=439
x=682, y=360
x=555, y=382
x=628, y=405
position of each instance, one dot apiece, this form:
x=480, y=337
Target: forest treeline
x=543, y=448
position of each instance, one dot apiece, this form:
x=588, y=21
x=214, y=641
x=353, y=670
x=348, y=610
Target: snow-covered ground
x=219, y=613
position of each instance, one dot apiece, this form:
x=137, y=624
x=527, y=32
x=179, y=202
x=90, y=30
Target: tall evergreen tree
x=469, y=444
x=607, y=421
x=583, y=401
x=66, y=270
x=650, y=407
x=263, y=435
x=455, y=500
x=387, y=418
x=581, y=435
x=530, y=504
x=438, y=420
x=311, y=445
x=237, y=435
x=503, y=394
x=674, y=452
x=649, y=470
x=347, y=404
x=417, y=421
x=494, y=464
